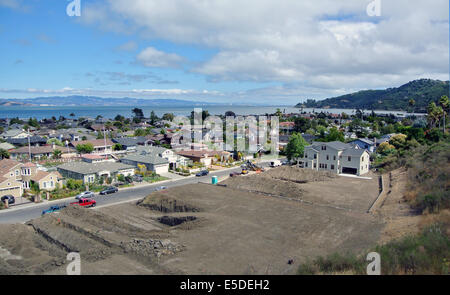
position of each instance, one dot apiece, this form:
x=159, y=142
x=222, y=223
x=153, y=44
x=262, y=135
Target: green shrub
x=425, y=253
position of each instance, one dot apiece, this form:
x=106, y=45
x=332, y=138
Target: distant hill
x=423, y=92
x=76, y=100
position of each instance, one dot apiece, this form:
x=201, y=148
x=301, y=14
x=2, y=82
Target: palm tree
x=412, y=103
x=432, y=108
x=57, y=154
x=445, y=105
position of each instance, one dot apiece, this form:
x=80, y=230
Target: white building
x=337, y=157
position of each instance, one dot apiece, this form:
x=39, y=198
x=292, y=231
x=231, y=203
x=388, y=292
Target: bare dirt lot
x=246, y=225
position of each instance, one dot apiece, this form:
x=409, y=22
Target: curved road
x=24, y=213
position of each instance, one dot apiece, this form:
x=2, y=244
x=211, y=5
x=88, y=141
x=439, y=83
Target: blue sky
x=258, y=52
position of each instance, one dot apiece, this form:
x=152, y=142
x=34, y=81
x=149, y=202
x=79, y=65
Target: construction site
x=261, y=223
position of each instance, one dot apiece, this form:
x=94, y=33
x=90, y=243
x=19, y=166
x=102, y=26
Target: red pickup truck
x=85, y=203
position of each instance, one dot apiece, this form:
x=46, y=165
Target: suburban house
x=16, y=177
x=175, y=160
x=364, y=143
x=47, y=181
x=34, y=140
x=286, y=127
x=6, y=146
x=337, y=157
x=14, y=133
x=41, y=152
x=89, y=172
x=150, y=161
x=10, y=178
x=207, y=158
x=101, y=146
x=131, y=143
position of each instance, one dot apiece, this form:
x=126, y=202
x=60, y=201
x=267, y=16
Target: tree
x=168, y=117
x=412, y=103
x=296, y=146
x=55, y=141
x=385, y=148
x=153, y=118
x=117, y=147
x=119, y=118
x=4, y=154
x=57, y=154
x=278, y=113
x=445, y=105
x=432, y=114
x=230, y=114
x=301, y=124
x=86, y=148
x=139, y=132
x=334, y=135
x=398, y=141
x=138, y=113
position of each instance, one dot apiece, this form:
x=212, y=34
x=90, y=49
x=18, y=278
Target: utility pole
x=104, y=136
x=29, y=144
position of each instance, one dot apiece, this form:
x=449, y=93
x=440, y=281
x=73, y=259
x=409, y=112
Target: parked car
x=160, y=188
x=11, y=200
x=275, y=163
x=85, y=195
x=138, y=178
x=109, y=190
x=202, y=173
x=85, y=203
x=53, y=209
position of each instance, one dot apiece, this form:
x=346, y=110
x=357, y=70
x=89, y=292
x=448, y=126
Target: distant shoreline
x=109, y=112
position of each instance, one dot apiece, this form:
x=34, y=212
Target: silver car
x=85, y=195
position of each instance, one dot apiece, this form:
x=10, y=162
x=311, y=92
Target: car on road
x=202, y=173
x=85, y=203
x=160, y=188
x=109, y=190
x=53, y=209
x=85, y=195
x=233, y=174
x=11, y=200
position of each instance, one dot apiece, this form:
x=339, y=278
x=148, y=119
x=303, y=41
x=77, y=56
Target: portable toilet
x=214, y=180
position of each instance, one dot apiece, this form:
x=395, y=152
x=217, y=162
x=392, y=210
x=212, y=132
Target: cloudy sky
x=252, y=51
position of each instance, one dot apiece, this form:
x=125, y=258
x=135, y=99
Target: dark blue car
x=53, y=209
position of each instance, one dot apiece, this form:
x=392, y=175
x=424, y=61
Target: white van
x=275, y=163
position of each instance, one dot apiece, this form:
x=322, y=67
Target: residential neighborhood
x=100, y=151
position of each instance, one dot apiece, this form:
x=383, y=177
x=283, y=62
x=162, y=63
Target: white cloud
x=151, y=57
x=323, y=44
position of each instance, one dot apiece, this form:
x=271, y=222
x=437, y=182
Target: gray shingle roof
x=353, y=152
x=157, y=150
x=147, y=159
x=333, y=144
x=90, y=168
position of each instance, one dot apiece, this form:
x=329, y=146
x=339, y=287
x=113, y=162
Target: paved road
x=24, y=214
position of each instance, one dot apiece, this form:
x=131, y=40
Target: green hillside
x=422, y=91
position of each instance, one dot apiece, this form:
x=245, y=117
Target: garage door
x=162, y=169
x=348, y=170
